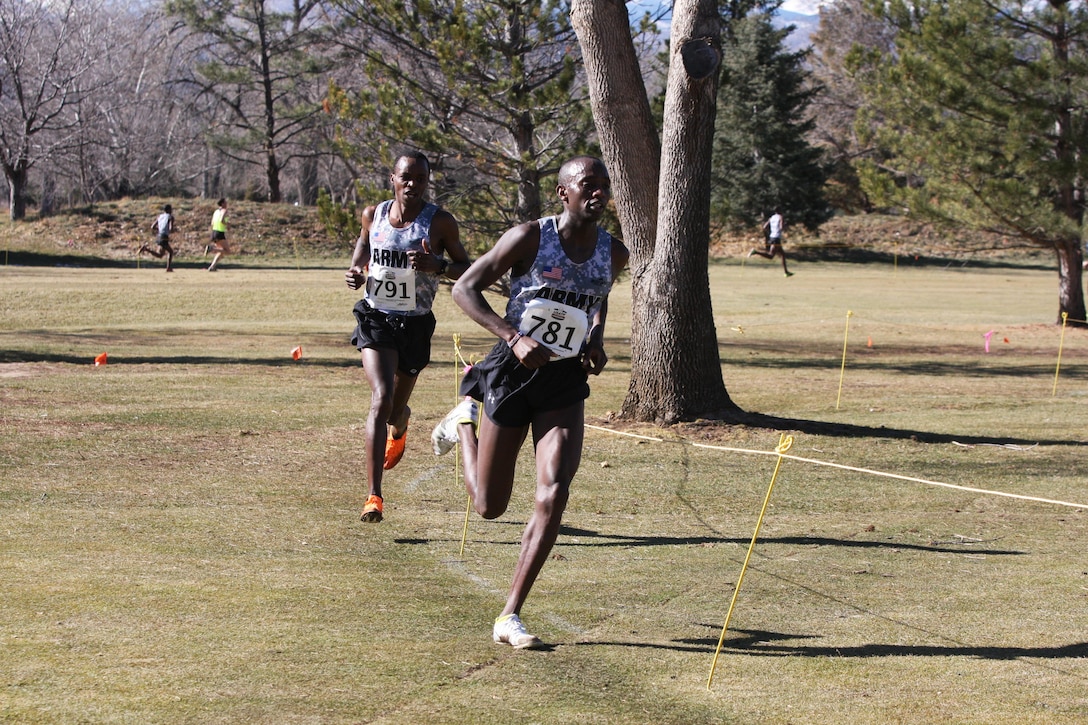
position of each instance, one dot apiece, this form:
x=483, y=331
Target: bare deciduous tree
x=847, y=33
x=261, y=61
x=138, y=134
x=46, y=57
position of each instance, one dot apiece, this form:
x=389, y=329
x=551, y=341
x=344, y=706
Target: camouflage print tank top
x=555, y=301
x=392, y=285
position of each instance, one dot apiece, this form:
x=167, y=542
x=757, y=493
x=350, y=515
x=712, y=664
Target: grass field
x=179, y=534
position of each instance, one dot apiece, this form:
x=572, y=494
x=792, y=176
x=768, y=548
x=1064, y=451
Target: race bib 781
x=559, y=327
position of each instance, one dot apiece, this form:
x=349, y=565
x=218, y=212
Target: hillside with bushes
x=111, y=232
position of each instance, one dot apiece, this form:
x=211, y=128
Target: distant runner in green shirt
x=219, y=235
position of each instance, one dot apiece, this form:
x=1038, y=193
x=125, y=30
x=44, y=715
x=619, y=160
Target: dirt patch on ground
x=25, y=370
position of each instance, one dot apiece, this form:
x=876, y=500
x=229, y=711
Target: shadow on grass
x=23, y=356
x=634, y=540
x=861, y=255
x=630, y=540
x=39, y=259
x=755, y=642
x=852, y=430
x=957, y=368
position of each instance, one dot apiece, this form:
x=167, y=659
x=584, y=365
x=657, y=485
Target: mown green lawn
x=179, y=534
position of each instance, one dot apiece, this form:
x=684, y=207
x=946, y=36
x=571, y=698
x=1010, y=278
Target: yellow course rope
x=926, y=481
x=784, y=445
x=857, y=469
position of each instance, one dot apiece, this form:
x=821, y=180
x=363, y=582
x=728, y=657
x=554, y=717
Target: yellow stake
x=784, y=444
x=842, y=372
x=464, y=529
x=458, y=364
x=1061, y=343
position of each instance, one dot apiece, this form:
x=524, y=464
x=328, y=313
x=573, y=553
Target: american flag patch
x=553, y=273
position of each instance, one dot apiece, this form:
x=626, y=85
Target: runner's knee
x=551, y=498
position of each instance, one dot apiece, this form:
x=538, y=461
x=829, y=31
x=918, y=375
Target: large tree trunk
x=680, y=374
x=307, y=181
x=1071, y=282
x=675, y=368
x=17, y=180
x=529, y=205
x=275, y=195
x=1070, y=194
x=49, y=196
x=624, y=121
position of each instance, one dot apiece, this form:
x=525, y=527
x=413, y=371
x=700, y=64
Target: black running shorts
x=512, y=393
x=409, y=335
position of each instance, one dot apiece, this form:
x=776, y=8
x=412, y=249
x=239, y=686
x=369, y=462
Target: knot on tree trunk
x=701, y=57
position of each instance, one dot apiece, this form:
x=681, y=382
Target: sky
x=806, y=7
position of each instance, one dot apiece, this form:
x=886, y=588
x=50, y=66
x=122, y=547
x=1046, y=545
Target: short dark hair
x=571, y=166
x=414, y=156
x=168, y=209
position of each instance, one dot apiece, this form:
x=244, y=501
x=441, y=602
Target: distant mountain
x=805, y=26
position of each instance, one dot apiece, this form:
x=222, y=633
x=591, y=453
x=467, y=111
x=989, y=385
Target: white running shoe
x=509, y=630
x=445, y=436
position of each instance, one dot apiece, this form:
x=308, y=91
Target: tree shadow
x=930, y=367
x=631, y=540
x=853, y=430
x=26, y=356
x=597, y=539
x=42, y=259
x=771, y=644
x=24, y=258
x=863, y=256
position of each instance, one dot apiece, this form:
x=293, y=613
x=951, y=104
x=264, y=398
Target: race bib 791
x=391, y=289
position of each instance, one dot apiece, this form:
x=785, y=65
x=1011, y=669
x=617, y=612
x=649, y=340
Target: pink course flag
x=988, y=335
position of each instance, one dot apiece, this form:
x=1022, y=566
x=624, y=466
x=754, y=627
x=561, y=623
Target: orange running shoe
x=372, y=511
x=394, y=449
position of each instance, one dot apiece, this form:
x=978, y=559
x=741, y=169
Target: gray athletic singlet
x=554, y=302
x=392, y=285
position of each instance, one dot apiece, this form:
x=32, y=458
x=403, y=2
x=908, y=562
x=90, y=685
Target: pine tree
x=489, y=89
x=762, y=158
x=260, y=62
x=986, y=123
